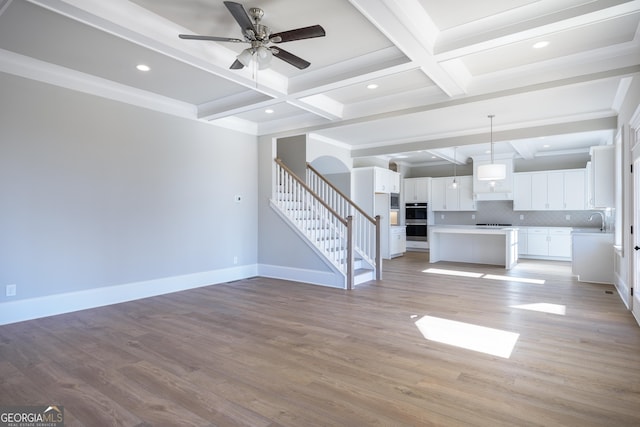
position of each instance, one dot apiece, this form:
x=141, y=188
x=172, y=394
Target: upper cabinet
x=601, y=179
x=493, y=190
x=551, y=190
x=370, y=180
x=416, y=190
x=444, y=197
x=386, y=180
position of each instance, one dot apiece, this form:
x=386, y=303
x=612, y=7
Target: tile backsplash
x=502, y=212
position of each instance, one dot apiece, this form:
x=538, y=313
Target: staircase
x=338, y=230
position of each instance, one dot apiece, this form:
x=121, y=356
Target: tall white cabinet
x=601, y=177
x=370, y=188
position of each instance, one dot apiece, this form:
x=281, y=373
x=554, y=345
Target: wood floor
x=265, y=352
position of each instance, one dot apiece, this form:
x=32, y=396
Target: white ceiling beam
x=524, y=149
x=450, y=154
x=474, y=41
x=382, y=15
x=27, y=67
x=320, y=105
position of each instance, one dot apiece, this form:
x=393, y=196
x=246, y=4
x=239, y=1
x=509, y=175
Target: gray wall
x=96, y=193
x=292, y=151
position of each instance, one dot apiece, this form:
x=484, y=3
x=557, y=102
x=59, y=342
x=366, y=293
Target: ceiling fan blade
x=298, y=34
x=292, y=59
x=210, y=38
x=237, y=65
x=240, y=15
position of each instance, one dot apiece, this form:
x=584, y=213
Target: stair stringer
x=340, y=277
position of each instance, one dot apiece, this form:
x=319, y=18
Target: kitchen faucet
x=602, y=227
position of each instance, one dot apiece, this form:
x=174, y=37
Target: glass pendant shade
x=492, y=172
x=261, y=54
x=245, y=57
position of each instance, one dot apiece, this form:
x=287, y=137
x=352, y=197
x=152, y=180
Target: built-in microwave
x=394, y=201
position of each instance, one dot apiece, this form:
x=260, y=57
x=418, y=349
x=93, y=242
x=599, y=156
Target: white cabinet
x=575, y=189
x=593, y=257
x=386, y=180
x=446, y=198
x=522, y=241
x=364, y=183
x=550, y=190
x=560, y=242
x=601, y=177
x=546, y=243
x=466, y=202
x=416, y=190
x=522, y=192
x=397, y=241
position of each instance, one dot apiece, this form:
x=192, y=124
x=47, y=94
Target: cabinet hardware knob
x=637, y=248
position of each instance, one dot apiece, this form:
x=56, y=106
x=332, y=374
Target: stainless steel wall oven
x=416, y=221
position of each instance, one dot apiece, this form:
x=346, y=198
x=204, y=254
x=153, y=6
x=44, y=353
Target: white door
x=635, y=301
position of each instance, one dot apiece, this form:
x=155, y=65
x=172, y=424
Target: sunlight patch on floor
x=513, y=279
x=544, y=307
x=491, y=341
x=452, y=272
x=482, y=275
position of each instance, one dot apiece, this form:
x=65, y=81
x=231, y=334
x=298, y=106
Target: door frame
x=634, y=189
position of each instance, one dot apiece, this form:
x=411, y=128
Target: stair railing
x=366, y=228
x=293, y=195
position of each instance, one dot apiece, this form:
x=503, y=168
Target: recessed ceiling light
x=268, y=111
x=546, y=146
x=143, y=67
x=540, y=45
x=433, y=157
x=488, y=152
x=372, y=86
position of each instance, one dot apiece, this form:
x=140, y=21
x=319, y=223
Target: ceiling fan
x=260, y=36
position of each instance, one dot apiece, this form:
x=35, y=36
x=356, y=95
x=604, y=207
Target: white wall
x=97, y=193
x=624, y=257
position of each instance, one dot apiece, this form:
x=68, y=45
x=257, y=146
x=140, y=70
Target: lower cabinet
x=545, y=243
x=397, y=241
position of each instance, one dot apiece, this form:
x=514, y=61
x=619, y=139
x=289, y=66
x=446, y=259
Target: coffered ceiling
x=440, y=68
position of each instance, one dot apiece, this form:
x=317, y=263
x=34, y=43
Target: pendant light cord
x=491, y=116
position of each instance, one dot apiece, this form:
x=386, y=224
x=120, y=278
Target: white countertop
x=471, y=229
x=589, y=231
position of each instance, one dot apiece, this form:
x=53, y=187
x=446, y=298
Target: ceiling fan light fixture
x=245, y=57
x=263, y=56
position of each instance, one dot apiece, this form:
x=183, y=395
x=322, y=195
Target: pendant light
x=492, y=171
x=454, y=184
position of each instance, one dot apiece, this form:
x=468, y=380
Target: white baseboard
x=623, y=289
x=314, y=277
x=50, y=305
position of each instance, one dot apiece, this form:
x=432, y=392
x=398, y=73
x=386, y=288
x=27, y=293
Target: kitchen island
x=473, y=244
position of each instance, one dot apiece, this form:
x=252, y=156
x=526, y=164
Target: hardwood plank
x=266, y=352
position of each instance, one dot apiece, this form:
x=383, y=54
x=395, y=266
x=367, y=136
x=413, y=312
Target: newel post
x=350, y=252
x=378, y=252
